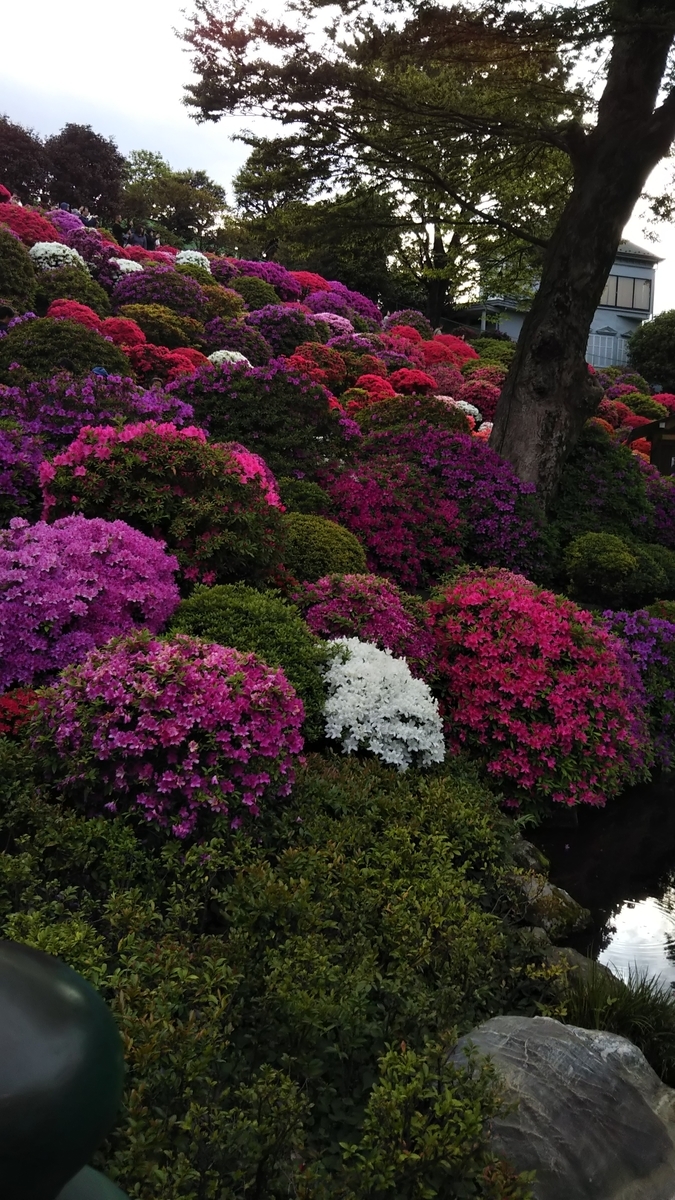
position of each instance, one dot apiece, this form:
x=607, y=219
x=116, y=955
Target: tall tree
x=186, y=203
x=85, y=168
x=488, y=83
x=23, y=162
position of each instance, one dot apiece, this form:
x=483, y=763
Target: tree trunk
x=549, y=393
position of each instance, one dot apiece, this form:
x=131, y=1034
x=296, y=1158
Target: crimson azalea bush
x=16, y=708
x=28, y=225
x=531, y=685
x=449, y=379
x=483, y=395
x=178, y=730
x=413, y=382
x=68, y=587
x=122, y=331
x=409, y=316
x=401, y=412
x=172, y=484
x=72, y=310
x=374, y=610
x=322, y=364
x=157, y=362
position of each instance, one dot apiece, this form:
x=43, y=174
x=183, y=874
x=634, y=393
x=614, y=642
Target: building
x=627, y=301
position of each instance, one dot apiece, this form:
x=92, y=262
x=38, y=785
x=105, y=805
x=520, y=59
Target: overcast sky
x=121, y=70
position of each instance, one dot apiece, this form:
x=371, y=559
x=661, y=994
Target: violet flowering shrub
x=56, y=409
x=64, y=222
x=284, y=328
x=650, y=643
x=164, y=286
x=178, y=730
x=286, y=287
x=21, y=453
x=412, y=532
x=660, y=491
x=360, y=304
x=68, y=587
x=532, y=686
x=97, y=254
x=210, y=509
x=220, y=334
x=374, y=610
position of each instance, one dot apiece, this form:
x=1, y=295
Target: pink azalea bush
x=176, y=729
x=534, y=687
x=68, y=587
x=374, y=610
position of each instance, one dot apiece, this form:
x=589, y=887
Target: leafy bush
x=283, y=282
x=235, y=335
x=645, y=406
x=482, y=394
x=70, y=586
x=161, y=285
x=300, y=495
x=322, y=364
x=170, y=483
x=315, y=546
x=221, y=302
x=603, y=568
x=196, y=271
x=69, y=283
x=650, y=641
x=413, y=383
x=405, y=411
x=532, y=687
x=375, y=703
x=20, y=456
x=47, y=256
x=259, y=982
x=17, y=274
x=374, y=610
x=158, y=362
x=162, y=326
x=238, y=616
x=255, y=292
x=410, y=316
x=283, y=328
x=652, y=350
x=274, y=410
x=603, y=490
x=44, y=345
x=177, y=729
x=492, y=351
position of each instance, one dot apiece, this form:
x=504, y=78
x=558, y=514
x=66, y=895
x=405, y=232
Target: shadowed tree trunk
x=549, y=392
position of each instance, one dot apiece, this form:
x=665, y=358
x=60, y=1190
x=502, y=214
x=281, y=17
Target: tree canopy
x=84, y=168
x=186, y=203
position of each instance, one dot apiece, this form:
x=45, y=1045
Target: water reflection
x=642, y=933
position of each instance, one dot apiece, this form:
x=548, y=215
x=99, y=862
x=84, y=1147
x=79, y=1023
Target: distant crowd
x=127, y=233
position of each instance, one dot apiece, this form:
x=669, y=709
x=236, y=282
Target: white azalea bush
x=228, y=356
x=374, y=702
x=195, y=258
x=125, y=266
x=47, y=256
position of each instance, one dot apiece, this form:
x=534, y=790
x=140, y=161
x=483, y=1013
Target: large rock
x=552, y=908
x=591, y=1117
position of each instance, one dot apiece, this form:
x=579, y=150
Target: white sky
x=121, y=69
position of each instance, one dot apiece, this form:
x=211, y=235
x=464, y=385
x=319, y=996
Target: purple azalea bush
x=68, y=587
x=286, y=287
x=161, y=285
x=240, y=336
x=64, y=222
x=360, y=304
x=283, y=327
x=21, y=453
x=650, y=643
x=176, y=729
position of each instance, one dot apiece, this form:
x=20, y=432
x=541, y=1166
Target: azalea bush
x=163, y=326
x=401, y=412
x=28, y=225
x=72, y=310
x=409, y=316
x=68, y=587
x=374, y=610
x=42, y=346
x=170, y=483
x=535, y=689
x=255, y=292
x=283, y=282
x=315, y=546
x=21, y=453
x=17, y=273
x=375, y=703
x=163, y=286
x=220, y=334
x=70, y=283
x=151, y=362
x=283, y=328
x=650, y=642
x=603, y=568
x=179, y=730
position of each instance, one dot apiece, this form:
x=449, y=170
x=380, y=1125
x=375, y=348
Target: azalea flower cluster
x=650, y=642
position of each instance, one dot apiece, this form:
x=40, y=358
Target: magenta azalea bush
x=21, y=453
x=536, y=689
x=176, y=729
x=161, y=285
x=283, y=327
x=68, y=587
x=374, y=610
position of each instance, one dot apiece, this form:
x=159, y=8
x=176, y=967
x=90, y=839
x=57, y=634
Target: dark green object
x=43, y=346
x=71, y=283
x=256, y=292
x=90, y=1185
x=17, y=274
x=61, y=1070
x=315, y=547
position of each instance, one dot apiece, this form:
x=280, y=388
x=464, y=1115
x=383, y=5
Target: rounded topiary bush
x=374, y=610
x=68, y=587
x=70, y=283
x=222, y=302
x=177, y=730
x=255, y=292
x=212, y=511
x=645, y=406
x=225, y=334
x=314, y=546
x=163, y=326
x=411, y=317
x=43, y=346
x=196, y=271
x=303, y=496
x=652, y=350
x=649, y=639
x=603, y=490
x=284, y=328
x=401, y=412
x=604, y=569
x=239, y=616
x=160, y=285
x=532, y=687
x=17, y=274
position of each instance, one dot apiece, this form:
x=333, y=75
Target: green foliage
x=641, y=1009
x=263, y=987
x=302, y=496
x=222, y=302
x=238, y=616
x=315, y=547
x=645, y=406
x=201, y=274
x=665, y=609
x=17, y=274
x=71, y=283
x=603, y=568
x=45, y=345
x=493, y=351
x=652, y=350
x=255, y=292
x=162, y=326
x=185, y=204
x=602, y=490
x=403, y=411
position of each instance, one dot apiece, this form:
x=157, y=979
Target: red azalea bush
x=437, y=351
x=71, y=310
x=322, y=364
x=413, y=382
x=485, y=397
x=599, y=423
x=405, y=331
x=533, y=687
x=411, y=532
x=458, y=346
x=177, y=730
x=150, y=362
x=123, y=331
x=28, y=225
x=376, y=386
x=16, y=708
x=374, y=610
x=68, y=587
x=633, y=421
x=667, y=399
x=641, y=446
x=409, y=317
x=309, y=282
x=488, y=372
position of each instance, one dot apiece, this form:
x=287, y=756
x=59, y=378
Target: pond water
x=620, y=863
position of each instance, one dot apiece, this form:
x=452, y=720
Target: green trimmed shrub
x=204, y=278
x=493, y=351
x=644, y=406
x=664, y=609
x=652, y=350
x=163, y=327
x=45, y=345
x=255, y=292
x=403, y=411
x=263, y=987
x=222, y=302
x=602, y=490
x=248, y=620
x=71, y=283
x=17, y=274
x=315, y=547
x=302, y=496
x=604, y=569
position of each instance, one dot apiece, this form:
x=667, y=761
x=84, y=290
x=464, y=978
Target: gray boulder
x=589, y=1114
x=551, y=908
